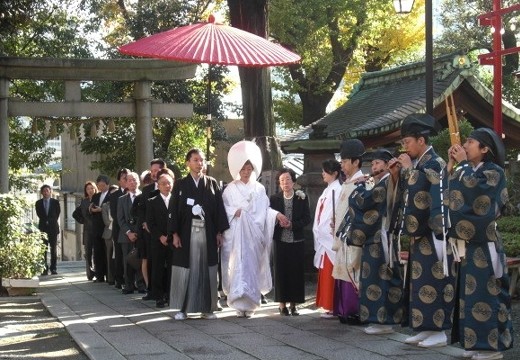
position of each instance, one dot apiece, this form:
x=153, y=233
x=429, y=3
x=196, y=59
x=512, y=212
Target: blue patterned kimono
x=381, y=286
x=431, y=295
x=476, y=197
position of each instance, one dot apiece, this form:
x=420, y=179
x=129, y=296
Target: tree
x=338, y=41
x=257, y=100
x=461, y=32
x=172, y=137
x=36, y=29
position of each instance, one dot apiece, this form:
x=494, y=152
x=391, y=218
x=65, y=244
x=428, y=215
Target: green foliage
x=288, y=112
x=441, y=143
x=22, y=248
x=461, y=32
x=338, y=41
x=509, y=227
x=42, y=28
x=28, y=154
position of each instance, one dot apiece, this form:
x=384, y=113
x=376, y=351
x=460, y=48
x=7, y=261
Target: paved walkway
x=108, y=325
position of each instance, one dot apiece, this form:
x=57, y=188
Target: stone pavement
x=108, y=326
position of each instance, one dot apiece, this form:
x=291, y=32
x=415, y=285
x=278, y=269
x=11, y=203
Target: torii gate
x=72, y=71
x=494, y=58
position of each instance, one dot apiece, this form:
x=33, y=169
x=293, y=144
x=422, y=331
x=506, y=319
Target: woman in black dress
x=288, y=241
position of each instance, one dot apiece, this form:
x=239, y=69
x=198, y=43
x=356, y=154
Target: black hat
x=382, y=154
x=419, y=124
x=489, y=138
x=352, y=148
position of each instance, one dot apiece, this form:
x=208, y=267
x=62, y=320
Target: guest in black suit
x=148, y=191
x=118, y=252
x=48, y=211
x=157, y=214
x=98, y=226
x=288, y=243
x=127, y=214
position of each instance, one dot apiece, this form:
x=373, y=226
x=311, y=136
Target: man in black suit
x=48, y=211
x=98, y=226
x=128, y=232
x=118, y=252
x=148, y=192
x=157, y=214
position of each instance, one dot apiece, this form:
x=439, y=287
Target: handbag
x=77, y=214
x=133, y=260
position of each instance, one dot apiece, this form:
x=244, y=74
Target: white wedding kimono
x=323, y=237
x=246, y=250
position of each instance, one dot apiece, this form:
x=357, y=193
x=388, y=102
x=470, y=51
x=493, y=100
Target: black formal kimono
x=289, y=256
x=197, y=265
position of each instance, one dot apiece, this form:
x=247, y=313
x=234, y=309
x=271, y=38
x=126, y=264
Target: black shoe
x=127, y=291
x=294, y=312
x=118, y=285
x=263, y=300
x=90, y=278
x=283, y=311
x=45, y=273
x=100, y=280
x=111, y=283
x=54, y=272
x=160, y=303
x=141, y=291
x=353, y=319
x=147, y=297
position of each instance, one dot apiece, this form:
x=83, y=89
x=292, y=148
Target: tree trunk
x=257, y=102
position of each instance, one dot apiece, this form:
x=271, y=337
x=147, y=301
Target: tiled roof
x=382, y=99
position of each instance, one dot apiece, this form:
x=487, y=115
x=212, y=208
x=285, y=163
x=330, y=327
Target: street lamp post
x=404, y=7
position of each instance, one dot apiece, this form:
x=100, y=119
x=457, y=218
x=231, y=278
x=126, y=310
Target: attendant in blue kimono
x=477, y=195
x=381, y=284
x=420, y=175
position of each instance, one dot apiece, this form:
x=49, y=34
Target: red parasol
x=211, y=43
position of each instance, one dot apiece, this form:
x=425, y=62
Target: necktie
x=46, y=206
x=132, y=197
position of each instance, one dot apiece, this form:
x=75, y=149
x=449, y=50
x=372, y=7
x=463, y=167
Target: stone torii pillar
x=143, y=125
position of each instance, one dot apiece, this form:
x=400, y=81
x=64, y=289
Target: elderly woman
x=477, y=195
x=245, y=252
x=289, y=283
